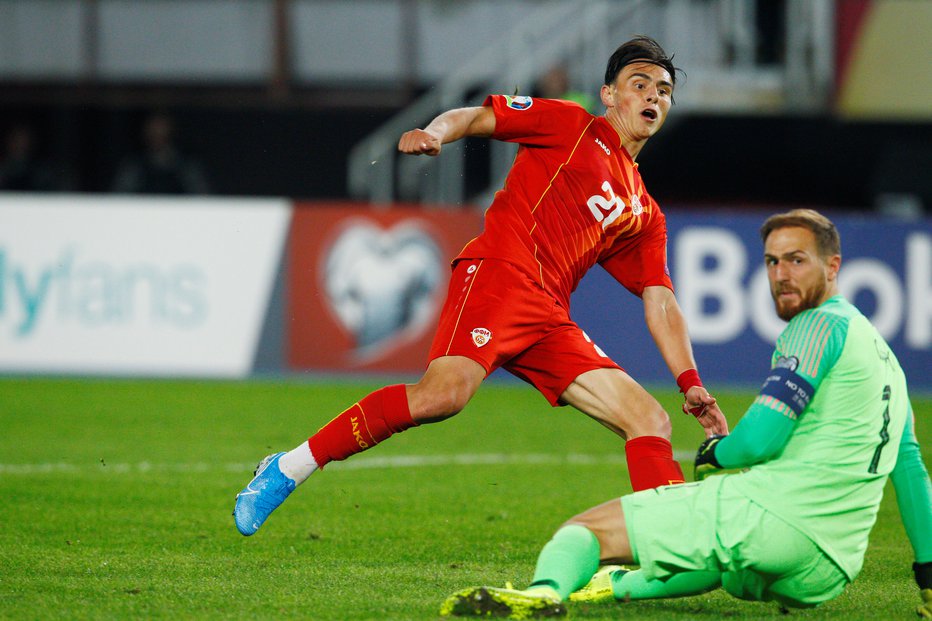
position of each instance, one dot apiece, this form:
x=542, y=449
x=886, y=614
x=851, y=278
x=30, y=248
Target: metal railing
x=719, y=39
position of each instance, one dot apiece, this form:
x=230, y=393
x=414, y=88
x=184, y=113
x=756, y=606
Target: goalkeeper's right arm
x=759, y=435
x=763, y=431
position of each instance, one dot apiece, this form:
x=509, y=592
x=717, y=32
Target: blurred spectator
x=555, y=84
x=161, y=168
x=22, y=170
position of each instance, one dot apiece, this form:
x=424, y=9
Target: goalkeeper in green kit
x=809, y=458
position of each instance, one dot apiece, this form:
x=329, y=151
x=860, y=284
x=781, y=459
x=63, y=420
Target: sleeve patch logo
x=520, y=102
x=481, y=336
x=784, y=362
x=636, y=207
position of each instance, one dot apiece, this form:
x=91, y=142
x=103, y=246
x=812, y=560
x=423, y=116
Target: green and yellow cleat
x=599, y=589
x=504, y=603
x=925, y=611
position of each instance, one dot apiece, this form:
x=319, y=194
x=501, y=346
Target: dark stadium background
x=301, y=151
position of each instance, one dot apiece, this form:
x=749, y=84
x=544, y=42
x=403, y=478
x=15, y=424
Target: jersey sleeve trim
x=814, y=340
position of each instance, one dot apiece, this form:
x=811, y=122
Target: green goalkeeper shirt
x=829, y=478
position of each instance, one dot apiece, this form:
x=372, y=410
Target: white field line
x=359, y=463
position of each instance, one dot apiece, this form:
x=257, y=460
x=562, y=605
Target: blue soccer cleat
x=268, y=489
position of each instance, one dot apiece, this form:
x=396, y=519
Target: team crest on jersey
x=636, y=207
x=519, y=102
x=787, y=362
x=481, y=336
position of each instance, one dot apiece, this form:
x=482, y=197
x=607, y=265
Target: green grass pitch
x=117, y=498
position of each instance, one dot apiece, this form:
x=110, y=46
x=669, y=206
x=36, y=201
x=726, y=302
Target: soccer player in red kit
x=573, y=198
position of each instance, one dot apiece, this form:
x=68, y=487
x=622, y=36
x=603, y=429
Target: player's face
x=639, y=99
x=799, y=278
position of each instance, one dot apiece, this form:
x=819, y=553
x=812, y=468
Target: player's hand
x=706, y=463
x=419, y=142
x=703, y=406
x=925, y=610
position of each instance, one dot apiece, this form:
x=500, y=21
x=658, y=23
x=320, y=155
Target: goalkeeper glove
x=923, y=573
x=706, y=463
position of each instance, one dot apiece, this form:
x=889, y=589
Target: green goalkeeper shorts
x=707, y=526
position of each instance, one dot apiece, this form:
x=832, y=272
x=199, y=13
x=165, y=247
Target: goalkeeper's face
x=800, y=278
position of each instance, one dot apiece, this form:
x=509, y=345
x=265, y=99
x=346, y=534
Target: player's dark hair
x=828, y=241
x=641, y=49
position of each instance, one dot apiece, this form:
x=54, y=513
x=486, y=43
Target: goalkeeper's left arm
x=763, y=431
x=914, y=497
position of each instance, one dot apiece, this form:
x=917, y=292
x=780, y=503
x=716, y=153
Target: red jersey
x=573, y=198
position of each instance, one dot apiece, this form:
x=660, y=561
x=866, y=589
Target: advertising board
x=365, y=285
x=716, y=260
x=135, y=286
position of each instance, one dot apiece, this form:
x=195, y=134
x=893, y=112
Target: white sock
x=298, y=464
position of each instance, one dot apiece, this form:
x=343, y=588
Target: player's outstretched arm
x=448, y=127
x=667, y=326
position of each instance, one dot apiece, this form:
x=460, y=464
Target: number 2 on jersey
x=599, y=204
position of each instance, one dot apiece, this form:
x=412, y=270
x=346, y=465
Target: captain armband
x=789, y=388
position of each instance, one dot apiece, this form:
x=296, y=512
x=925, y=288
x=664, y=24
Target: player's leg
x=780, y=563
x=475, y=333
x=667, y=531
x=597, y=536
x=602, y=534
x=443, y=391
x=613, y=398
x=572, y=556
x=448, y=384
x=568, y=368
x=565, y=563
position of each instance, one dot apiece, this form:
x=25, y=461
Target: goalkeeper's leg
x=572, y=556
x=567, y=561
x=625, y=585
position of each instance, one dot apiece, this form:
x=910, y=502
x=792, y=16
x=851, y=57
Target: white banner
x=122, y=285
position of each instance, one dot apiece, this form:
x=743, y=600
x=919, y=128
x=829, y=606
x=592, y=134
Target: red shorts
x=499, y=317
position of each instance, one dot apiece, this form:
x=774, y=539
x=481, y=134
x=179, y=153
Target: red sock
x=651, y=463
x=363, y=425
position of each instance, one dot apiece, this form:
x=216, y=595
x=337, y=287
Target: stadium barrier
x=135, y=286
x=217, y=287
x=365, y=286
